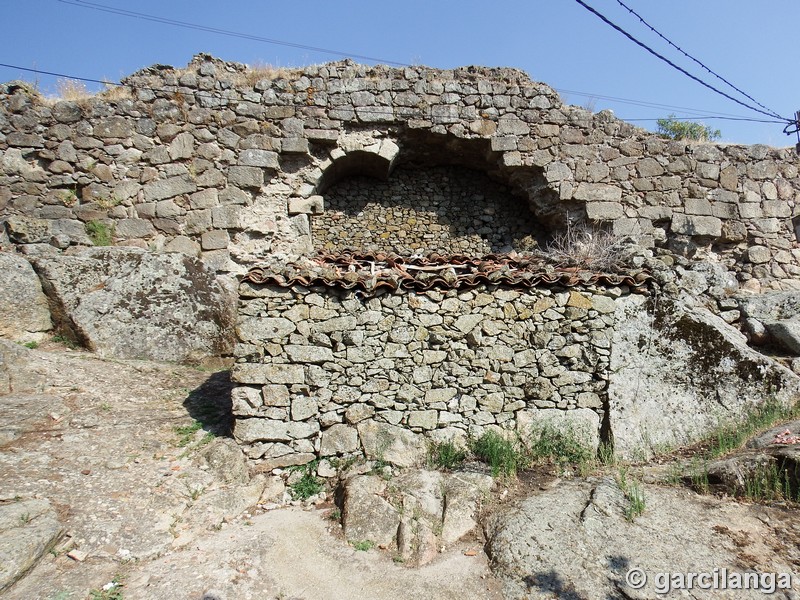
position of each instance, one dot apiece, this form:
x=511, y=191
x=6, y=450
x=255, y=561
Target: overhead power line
x=647, y=104
x=52, y=74
x=689, y=56
x=706, y=117
x=236, y=34
x=194, y=26
x=680, y=69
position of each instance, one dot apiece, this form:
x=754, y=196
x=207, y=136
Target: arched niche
x=430, y=193
x=358, y=163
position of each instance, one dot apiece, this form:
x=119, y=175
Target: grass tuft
x=587, y=248
x=732, y=437
x=769, y=483
x=363, y=545
x=504, y=456
x=446, y=456
x=100, y=233
x=634, y=494
x=560, y=445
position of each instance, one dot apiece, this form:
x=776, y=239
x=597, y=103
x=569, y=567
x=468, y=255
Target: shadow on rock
x=551, y=582
x=210, y=404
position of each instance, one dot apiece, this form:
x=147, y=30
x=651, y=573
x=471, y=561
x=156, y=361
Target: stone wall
x=447, y=210
x=232, y=164
x=320, y=365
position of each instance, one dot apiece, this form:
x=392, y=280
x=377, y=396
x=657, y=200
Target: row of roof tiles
x=371, y=273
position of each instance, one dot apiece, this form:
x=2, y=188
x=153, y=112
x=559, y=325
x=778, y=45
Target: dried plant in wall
x=585, y=247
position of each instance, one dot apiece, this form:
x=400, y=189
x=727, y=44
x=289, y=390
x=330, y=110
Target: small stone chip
x=78, y=555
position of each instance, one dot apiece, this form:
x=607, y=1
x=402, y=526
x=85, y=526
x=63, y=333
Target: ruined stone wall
x=233, y=165
x=321, y=369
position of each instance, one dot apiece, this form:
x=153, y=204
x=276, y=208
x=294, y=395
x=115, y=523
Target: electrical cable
x=245, y=36
x=689, y=56
x=676, y=67
x=194, y=26
x=52, y=74
x=644, y=103
x=706, y=117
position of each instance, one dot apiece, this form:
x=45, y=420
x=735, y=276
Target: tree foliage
x=675, y=129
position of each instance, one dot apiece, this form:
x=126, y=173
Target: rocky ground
x=96, y=479
x=105, y=477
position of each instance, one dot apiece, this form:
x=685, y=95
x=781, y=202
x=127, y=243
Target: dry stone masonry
x=233, y=165
x=226, y=167
x=447, y=210
x=443, y=363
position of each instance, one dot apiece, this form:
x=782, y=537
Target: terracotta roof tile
x=373, y=272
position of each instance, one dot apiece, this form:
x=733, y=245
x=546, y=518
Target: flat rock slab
x=129, y=303
x=28, y=529
x=290, y=553
x=574, y=541
x=24, y=313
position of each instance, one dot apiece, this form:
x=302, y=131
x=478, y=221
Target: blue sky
x=753, y=44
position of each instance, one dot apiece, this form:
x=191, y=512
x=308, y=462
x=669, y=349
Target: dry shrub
x=72, y=90
x=589, y=248
x=113, y=91
x=260, y=71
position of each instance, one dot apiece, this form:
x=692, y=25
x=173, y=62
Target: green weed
x=445, y=455
x=110, y=591
x=31, y=345
x=66, y=341
x=186, y=433
x=195, y=493
x=100, y=233
x=504, y=456
x=363, y=545
x=69, y=197
x=605, y=454
x=308, y=485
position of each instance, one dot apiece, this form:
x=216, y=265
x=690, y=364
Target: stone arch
x=428, y=193
x=376, y=160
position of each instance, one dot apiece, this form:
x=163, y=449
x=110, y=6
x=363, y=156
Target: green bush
x=675, y=129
